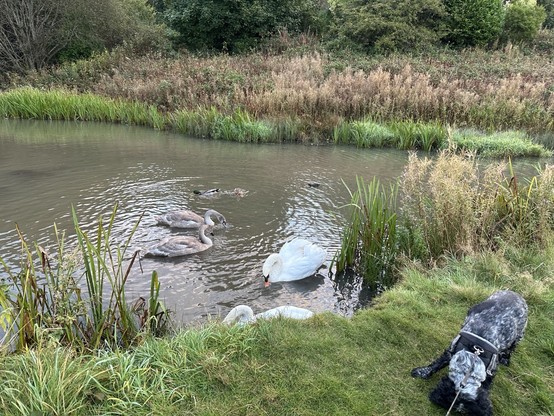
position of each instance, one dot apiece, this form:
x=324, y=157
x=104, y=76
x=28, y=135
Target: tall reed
x=47, y=298
x=369, y=243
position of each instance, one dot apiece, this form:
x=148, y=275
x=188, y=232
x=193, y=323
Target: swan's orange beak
x=266, y=281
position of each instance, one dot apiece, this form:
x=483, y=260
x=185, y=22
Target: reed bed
x=77, y=296
x=319, y=90
x=447, y=207
x=242, y=126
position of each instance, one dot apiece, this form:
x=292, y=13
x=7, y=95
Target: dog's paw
x=504, y=360
x=422, y=372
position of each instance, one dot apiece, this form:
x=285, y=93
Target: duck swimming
x=243, y=314
x=189, y=219
x=181, y=245
x=296, y=260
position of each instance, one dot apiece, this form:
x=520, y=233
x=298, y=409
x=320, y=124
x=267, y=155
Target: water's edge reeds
x=240, y=126
x=76, y=297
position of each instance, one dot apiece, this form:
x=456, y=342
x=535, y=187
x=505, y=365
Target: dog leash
x=466, y=376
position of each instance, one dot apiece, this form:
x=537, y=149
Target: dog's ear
x=481, y=406
x=444, y=393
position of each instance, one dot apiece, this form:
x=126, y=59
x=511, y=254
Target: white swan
x=189, y=219
x=243, y=314
x=174, y=246
x=296, y=260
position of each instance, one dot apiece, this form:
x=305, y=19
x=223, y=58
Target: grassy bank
x=31, y=103
x=305, y=93
x=328, y=365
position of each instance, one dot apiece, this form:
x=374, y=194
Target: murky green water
x=46, y=167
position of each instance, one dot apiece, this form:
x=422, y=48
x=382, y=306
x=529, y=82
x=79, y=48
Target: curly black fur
x=501, y=320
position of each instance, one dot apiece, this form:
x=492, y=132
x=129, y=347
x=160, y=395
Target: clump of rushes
x=46, y=298
x=448, y=208
x=369, y=243
x=32, y=103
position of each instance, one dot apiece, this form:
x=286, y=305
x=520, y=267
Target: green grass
x=328, y=365
x=500, y=144
x=76, y=296
x=241, y=126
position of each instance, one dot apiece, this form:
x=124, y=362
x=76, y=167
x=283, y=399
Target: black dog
x=488, y=336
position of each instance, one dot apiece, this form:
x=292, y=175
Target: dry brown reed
x=451, y=89
x=451, y=206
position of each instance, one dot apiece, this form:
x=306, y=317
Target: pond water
x=46, y=167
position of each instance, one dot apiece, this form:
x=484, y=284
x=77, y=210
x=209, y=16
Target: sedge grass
x=77, y=297
x=241, y=126
x=328, y=365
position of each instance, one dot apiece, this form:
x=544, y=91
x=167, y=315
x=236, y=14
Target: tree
x=523, y=21
x=236, y=25
x=32, y=32
x=474, y=22
x=384, y=25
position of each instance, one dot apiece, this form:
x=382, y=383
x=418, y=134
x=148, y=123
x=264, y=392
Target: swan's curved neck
x=208, y=218
x=202, y=234
x=274, y=265
x=241, y=314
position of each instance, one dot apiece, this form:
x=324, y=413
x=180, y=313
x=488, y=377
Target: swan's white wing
x=180, y=219
x=293, y=248
x=316, y=253
x=286, y=311
x=241, y=314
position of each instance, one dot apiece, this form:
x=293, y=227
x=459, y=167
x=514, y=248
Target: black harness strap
x=468, y=341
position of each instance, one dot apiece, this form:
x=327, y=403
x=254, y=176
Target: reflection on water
x=46, y=167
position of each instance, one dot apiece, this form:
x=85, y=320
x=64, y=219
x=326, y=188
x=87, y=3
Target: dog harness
x=486, y=351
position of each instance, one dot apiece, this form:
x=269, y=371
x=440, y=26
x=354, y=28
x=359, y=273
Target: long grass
x=77, y=296
x=487, y=90
x=444, y=207
x=241, y=126
x=328, y=365
x=369, y=243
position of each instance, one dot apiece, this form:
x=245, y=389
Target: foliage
x=523, y=21
x=384, y=26
x=105, y=24
x=237, y=25
x=474, y=22
x=33, y=36
x=46, y=301
x=549, y=9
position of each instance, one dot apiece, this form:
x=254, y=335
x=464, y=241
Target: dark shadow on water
x=351, y=291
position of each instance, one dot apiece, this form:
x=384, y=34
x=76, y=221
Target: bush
x=474, y=22
x=237, y=25
x=523, y=21
x=549, y=9
x=105, y=24
x=381, y=26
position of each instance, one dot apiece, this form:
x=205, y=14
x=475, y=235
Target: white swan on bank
x=189, y=219
x=296, y=260
x=181, y=245
x=243, y=314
